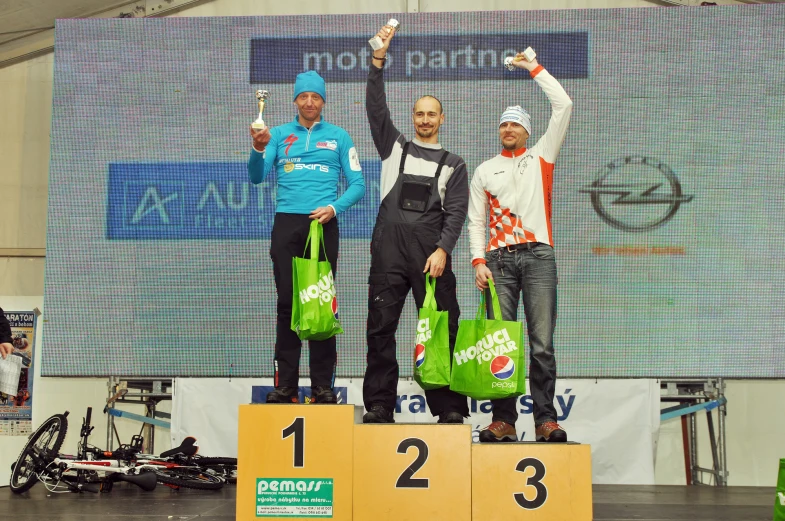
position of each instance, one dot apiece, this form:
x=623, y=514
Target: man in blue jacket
x=307, y=155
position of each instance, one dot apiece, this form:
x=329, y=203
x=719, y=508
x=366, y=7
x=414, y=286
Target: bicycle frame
x=138, y=475
x=119, y=466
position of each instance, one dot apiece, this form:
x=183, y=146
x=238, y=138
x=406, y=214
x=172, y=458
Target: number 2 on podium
x=298, y=429
x=407, y=479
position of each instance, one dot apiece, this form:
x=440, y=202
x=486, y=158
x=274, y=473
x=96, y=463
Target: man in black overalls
x=424, y=201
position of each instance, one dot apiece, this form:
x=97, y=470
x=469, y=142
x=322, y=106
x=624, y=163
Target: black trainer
x=283, y=395
x=378, y=414
x=320, y=394
x=450, y=417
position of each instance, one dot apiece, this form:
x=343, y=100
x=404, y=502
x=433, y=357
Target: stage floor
x=611, y=503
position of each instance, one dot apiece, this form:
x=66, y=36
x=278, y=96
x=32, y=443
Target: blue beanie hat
x=309, y=81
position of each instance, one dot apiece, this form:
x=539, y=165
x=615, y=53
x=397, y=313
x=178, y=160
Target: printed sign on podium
x=295, y=462
x=531, y=481
x=411, y=472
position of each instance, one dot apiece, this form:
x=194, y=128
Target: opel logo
x=636, y=193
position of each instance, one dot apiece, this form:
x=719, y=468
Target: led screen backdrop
x=668, y=193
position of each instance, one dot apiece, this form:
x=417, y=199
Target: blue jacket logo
x=290, y=141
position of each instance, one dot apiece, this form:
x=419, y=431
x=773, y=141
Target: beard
x=425, y=132
x=513, y=145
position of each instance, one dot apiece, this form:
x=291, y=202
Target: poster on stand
x=16, y=410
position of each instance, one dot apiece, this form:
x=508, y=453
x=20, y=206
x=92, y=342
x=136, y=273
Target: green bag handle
x=315, y=238
x=430, y=293
x=497, y=310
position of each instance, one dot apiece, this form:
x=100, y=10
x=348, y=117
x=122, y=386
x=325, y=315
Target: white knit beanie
x=516, y=114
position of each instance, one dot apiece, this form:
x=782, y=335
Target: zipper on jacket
x=308, y=139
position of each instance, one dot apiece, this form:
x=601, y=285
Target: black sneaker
x=378, y=414
x=320, y=394
x=283, y=395
x=450, y=417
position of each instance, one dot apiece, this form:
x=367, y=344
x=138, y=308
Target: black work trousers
x=398, y=255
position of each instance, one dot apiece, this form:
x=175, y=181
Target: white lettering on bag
x=487, y=348
x=324, y=290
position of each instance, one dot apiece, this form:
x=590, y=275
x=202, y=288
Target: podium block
x=412, y=472
x=532, y=481
x=295, y=462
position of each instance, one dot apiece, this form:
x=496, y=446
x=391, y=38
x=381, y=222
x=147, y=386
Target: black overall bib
x=407, y=229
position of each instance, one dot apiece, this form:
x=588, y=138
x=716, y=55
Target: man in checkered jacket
x=512, y=192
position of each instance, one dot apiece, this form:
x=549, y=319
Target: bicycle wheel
x=39, y=451
x=189, y=477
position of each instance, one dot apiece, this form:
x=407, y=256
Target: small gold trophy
x=262, y=96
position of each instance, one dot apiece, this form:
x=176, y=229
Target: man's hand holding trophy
x=523, y=60
x=259, y=131
x=381, y=42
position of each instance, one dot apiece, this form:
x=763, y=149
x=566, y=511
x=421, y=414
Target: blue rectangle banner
x=210, y=200
x=418, y=58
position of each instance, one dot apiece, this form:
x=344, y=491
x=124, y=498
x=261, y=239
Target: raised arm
x=561, y=108
x=383, y=131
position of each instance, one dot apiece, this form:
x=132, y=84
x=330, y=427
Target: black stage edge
x=611, y=503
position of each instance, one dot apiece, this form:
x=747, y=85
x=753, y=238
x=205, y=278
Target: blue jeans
x=531, y=269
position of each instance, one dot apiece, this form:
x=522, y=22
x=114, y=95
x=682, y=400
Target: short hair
x=441, y=109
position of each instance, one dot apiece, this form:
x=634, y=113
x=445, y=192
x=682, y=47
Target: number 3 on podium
x=534, y=481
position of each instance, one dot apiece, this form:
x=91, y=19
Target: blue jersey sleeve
x=350, y=164
x=259, y=164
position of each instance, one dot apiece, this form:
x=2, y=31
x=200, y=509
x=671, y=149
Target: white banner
x=618, y=418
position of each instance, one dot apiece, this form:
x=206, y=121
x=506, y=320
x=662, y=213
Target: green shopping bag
x=489, y=362
x=433, y=337
x=314, y=303
x=779, y=502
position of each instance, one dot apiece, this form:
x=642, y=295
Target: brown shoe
x=550, y=431
x=498, y=431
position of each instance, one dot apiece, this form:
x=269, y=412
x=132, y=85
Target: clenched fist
x=260, y=138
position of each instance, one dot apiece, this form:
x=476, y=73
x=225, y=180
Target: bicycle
x=181, y=466
x=185, y=457
x=40, y=460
